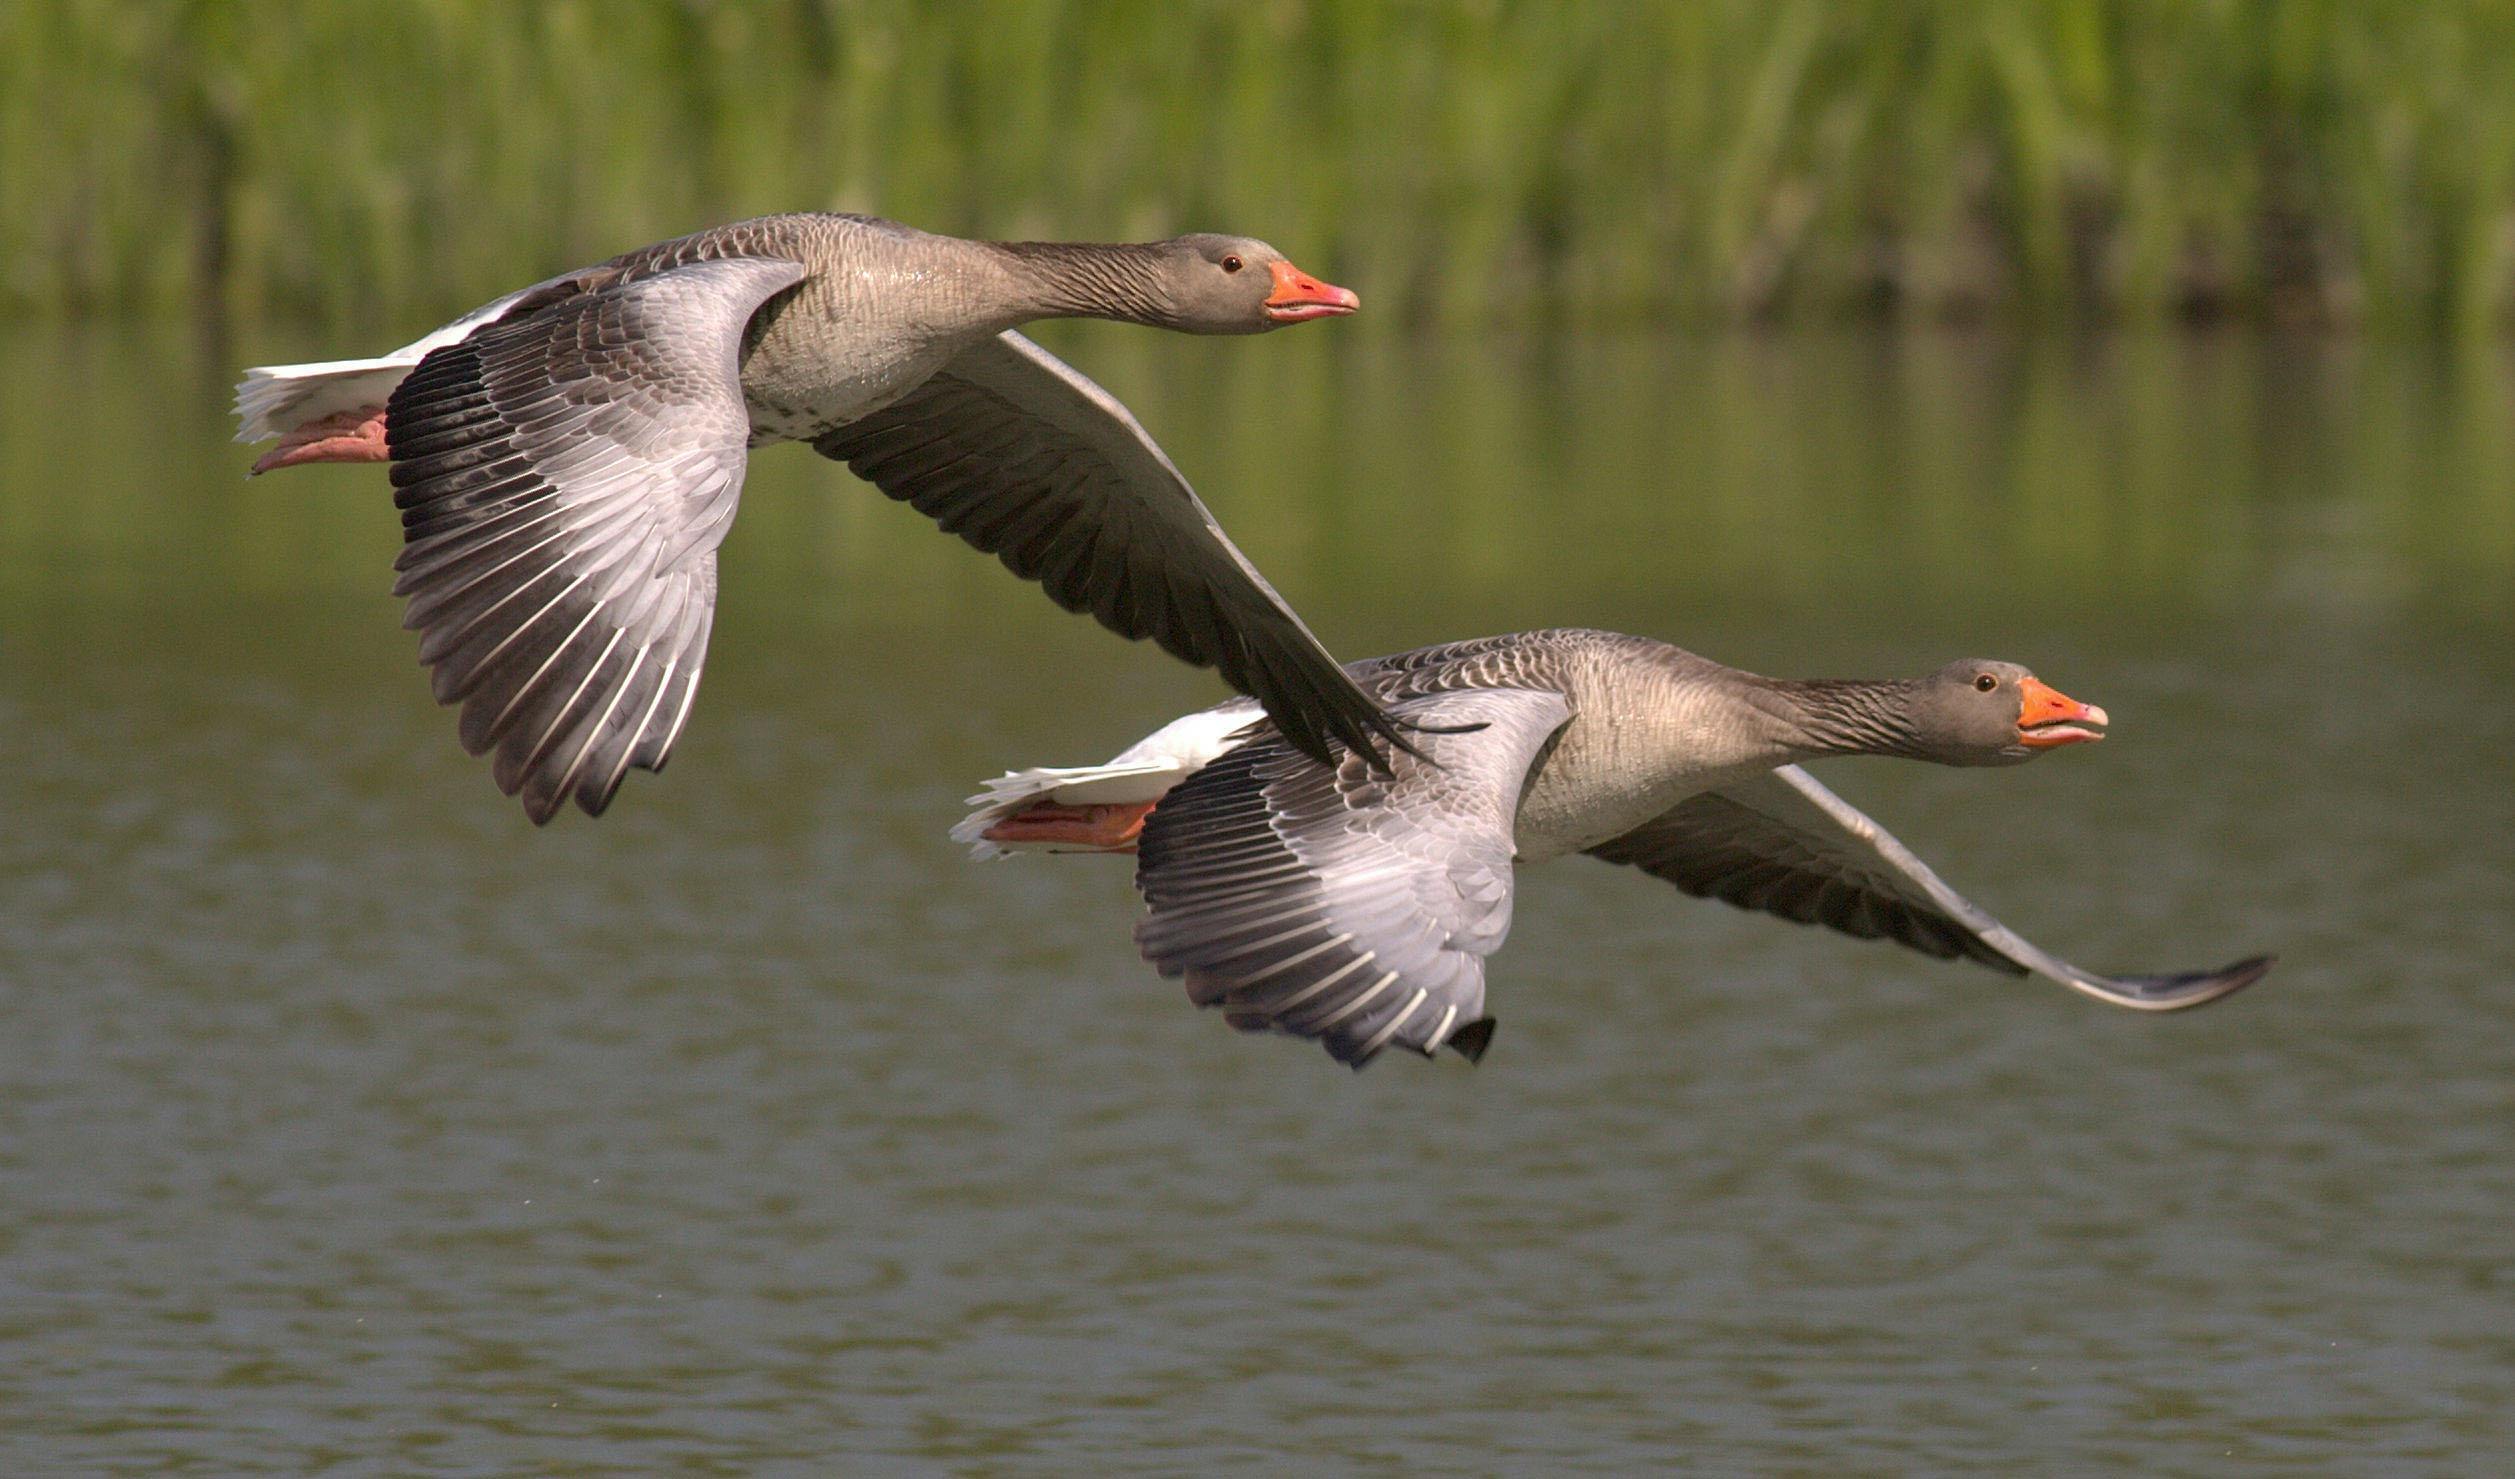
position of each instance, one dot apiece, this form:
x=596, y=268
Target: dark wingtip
x=1382, y=763
x=1392, y=730
x=2228, y=980
x=2180, y=993
x=1472, y=1039
x=1375, y=737
x=2243, y=973
x=539, y=802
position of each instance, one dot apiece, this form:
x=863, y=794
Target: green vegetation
x=2318, y=160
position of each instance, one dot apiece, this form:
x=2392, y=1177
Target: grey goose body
x=568, y=458
x=1357, y=909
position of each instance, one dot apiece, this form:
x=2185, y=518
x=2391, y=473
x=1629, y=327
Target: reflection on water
x=344, y=1117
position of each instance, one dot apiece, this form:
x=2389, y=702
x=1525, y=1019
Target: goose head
x=1982, y=712
x=1240, y=285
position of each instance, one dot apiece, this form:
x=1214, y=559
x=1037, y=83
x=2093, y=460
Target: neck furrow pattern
x=1851, y=716
x=1069, y=279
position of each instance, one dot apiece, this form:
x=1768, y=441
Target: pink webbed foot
x=1108, y=827
x=350, y=436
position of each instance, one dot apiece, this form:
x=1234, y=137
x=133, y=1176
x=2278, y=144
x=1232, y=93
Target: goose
x=1357, y=909
x=568, y=457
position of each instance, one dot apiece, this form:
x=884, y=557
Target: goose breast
x=1641, y=740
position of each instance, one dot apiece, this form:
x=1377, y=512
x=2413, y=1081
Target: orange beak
x=1298, y=297
x=2047, y=717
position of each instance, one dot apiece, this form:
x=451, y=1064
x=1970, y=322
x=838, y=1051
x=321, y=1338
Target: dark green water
x=348, y=1122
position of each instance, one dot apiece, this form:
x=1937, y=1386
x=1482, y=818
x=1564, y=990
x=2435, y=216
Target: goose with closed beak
x=567, y=460
x=1357, y=909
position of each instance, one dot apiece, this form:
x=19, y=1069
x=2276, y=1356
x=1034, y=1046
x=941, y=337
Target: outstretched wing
x=1013, y=450
x=564, y=480
x=1784, y=844
x=1330, y=903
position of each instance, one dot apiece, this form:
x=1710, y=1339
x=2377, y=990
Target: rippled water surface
x=346, y=1120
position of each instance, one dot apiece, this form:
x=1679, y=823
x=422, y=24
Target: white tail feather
x=1082, y=785
x=1145, y=771
x=274, y=400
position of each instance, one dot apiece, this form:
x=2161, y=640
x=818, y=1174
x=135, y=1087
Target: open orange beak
x=2047, y=717
x=1299, y=297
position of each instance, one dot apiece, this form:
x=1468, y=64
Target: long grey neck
x=1074, y=279
x=1846, y=716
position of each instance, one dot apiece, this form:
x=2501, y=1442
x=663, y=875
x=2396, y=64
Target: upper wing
x=1327, y=902
x=1785, y=844
x=1013, y=450
x=565, y=478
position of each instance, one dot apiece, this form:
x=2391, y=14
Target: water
x=347, y=1121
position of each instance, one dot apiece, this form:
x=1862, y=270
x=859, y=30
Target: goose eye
x=1231, y=264
x=1986, y=682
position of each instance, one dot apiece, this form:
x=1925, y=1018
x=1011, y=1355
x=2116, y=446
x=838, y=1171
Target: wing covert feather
x=565, y=478
x=1333, y=903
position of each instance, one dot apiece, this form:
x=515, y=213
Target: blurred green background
x=346, y=1121
x=2103, y=160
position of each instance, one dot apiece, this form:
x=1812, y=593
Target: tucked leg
x=350, y=436
x=1108, y=827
